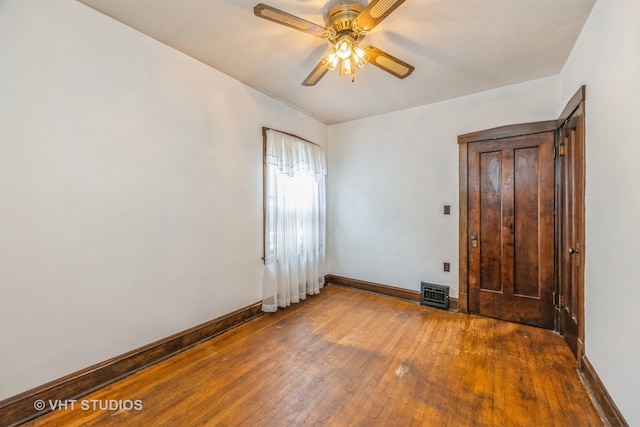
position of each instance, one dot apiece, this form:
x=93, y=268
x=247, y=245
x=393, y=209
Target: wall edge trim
x=601, y=398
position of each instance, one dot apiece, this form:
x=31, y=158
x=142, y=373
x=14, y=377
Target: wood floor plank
x=350, y=358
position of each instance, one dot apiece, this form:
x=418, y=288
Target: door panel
x=490, y=221
x=511, y=249
x=526, y=194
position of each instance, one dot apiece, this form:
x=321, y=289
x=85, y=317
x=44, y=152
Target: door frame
x=463, y=231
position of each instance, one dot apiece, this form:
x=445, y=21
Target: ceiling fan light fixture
x=346, y=55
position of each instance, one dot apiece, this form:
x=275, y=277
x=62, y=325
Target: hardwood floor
x=350, y=358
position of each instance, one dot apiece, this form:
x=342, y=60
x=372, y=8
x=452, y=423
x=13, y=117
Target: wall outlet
x=447, y=266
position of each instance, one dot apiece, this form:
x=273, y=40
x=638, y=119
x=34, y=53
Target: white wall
x=391, y=175
x=607, y=59
x=130, y=190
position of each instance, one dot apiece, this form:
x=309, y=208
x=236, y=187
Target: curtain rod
x=265, y=129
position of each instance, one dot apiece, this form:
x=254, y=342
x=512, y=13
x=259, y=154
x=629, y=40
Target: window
x=294, y=219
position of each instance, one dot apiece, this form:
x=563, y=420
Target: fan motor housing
x=340, y=19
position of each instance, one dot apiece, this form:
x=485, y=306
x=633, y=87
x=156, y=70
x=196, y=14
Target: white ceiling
x=458, y=47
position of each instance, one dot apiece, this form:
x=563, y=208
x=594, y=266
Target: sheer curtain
x=295, y=173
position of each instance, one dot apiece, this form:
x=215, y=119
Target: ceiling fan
x=347, y=22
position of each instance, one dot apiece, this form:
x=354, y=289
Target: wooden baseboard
x=392, y=291
x=601, y=397
x=20, y=408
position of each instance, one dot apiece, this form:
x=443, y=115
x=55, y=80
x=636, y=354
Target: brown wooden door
x=570, y=250
x=511, y=228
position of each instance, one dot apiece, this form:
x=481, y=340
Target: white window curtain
x=294, y=220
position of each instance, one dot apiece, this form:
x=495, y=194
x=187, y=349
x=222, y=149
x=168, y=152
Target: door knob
x=573, y=251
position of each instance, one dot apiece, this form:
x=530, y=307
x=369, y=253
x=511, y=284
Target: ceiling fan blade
x=388, y=63
x=314, y=77
x=276, y=15
x=376, y=11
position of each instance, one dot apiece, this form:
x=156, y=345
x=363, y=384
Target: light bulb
x=347, y=67
x=360, y=57
x=330, y=60
x=343, y=48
